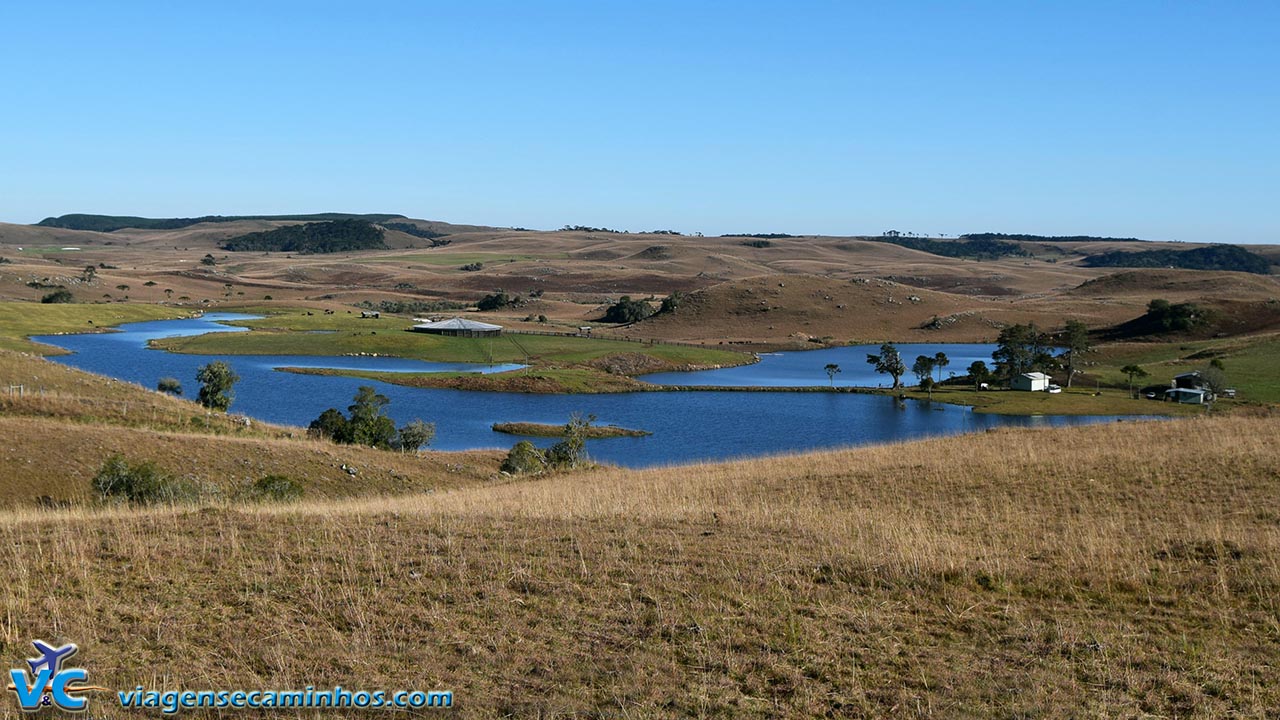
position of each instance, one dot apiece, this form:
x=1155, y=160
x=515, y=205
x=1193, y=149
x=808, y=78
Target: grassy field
x=1019, y=573
x=1252, y=363
x=540, y=380
x=20, y=319
x=1073, y=401
x=300, y=334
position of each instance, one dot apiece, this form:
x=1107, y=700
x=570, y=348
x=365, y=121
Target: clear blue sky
x=1156, y=120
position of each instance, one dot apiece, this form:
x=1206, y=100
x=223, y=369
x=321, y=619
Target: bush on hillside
x=142, y=483
x=524, y=459
x=277, y=488
x=58, y=296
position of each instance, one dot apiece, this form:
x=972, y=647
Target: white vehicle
x=1055, y=389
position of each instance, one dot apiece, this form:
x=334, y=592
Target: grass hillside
x=1019, y=573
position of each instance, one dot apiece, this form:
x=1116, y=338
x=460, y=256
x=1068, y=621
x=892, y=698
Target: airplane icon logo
x=51, y=657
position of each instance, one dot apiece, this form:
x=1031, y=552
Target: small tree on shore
x=1075, y=338
x=940, y=361
x=889, y=362
x=1133, y=371
x=832, y=370
x=216, y=380
x=979, y=373
x=923, y=369
x=170, y=385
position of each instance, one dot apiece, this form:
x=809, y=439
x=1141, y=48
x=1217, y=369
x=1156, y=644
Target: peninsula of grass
x=539, y=380
x=1073, y=401
x=293, y=333
x=593, y=432
x=18, y=320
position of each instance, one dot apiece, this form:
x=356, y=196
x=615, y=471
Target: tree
x=216, y=380
x=889, y=362
x=170, y=385
x=1133, y=371
x=332, y=425
x=90, y=272
x=208, y=259
x=58, y=296
x=1075, y=338
x=627, y=310
x=496, y=301
x=832, y=370
x=926, y=384
x=978, y=373
x=1214, y=378
x=414, y=435
x=572, y=450
x=923, y=369
x=671, y=302
x=368, y=423
x=1022, y=348
x=940, y=360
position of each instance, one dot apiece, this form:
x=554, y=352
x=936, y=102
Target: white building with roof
x=459, y=327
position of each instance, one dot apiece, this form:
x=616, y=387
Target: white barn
x=1032, y=381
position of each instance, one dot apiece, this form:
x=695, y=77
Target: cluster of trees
x=111, y=223
x=525, y=458
x=1164, y=316
x=762, y=236
x=498, y=301
x=1019, y=349
x=410, y=307
x=588, y=228
x=58, y=296
x=1212, y=257
x=368, y=424
x=978, y=249
x=144, y=483
x=761, y=244
x=627, y=310
x=472, y=267
x=321, y=237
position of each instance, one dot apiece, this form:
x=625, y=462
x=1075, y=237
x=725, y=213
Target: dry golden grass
x=1103, y=571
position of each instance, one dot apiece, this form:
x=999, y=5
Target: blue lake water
x=687, y=426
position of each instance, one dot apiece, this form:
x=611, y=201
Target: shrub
x=169, y=385
x=58, y=296
x=496, y=301
x=524, y=459
x=473, y=267
x=414, y=435
x=278, y=488
x=141, y=484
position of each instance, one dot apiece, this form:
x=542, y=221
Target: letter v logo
x=29, y=694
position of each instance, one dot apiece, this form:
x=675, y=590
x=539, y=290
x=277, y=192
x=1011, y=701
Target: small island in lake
x=549, y=430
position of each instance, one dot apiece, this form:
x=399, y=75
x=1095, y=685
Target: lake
x=687, y=426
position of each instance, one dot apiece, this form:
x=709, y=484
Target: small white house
x=1032, y=381
x=1188, y=396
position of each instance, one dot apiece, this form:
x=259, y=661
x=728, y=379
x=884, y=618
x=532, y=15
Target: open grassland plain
x=1081, y=572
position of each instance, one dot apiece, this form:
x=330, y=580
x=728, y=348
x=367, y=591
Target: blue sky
x=1156, y=120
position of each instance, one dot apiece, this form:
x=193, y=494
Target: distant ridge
x=111, y=223
x=1045, y=238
